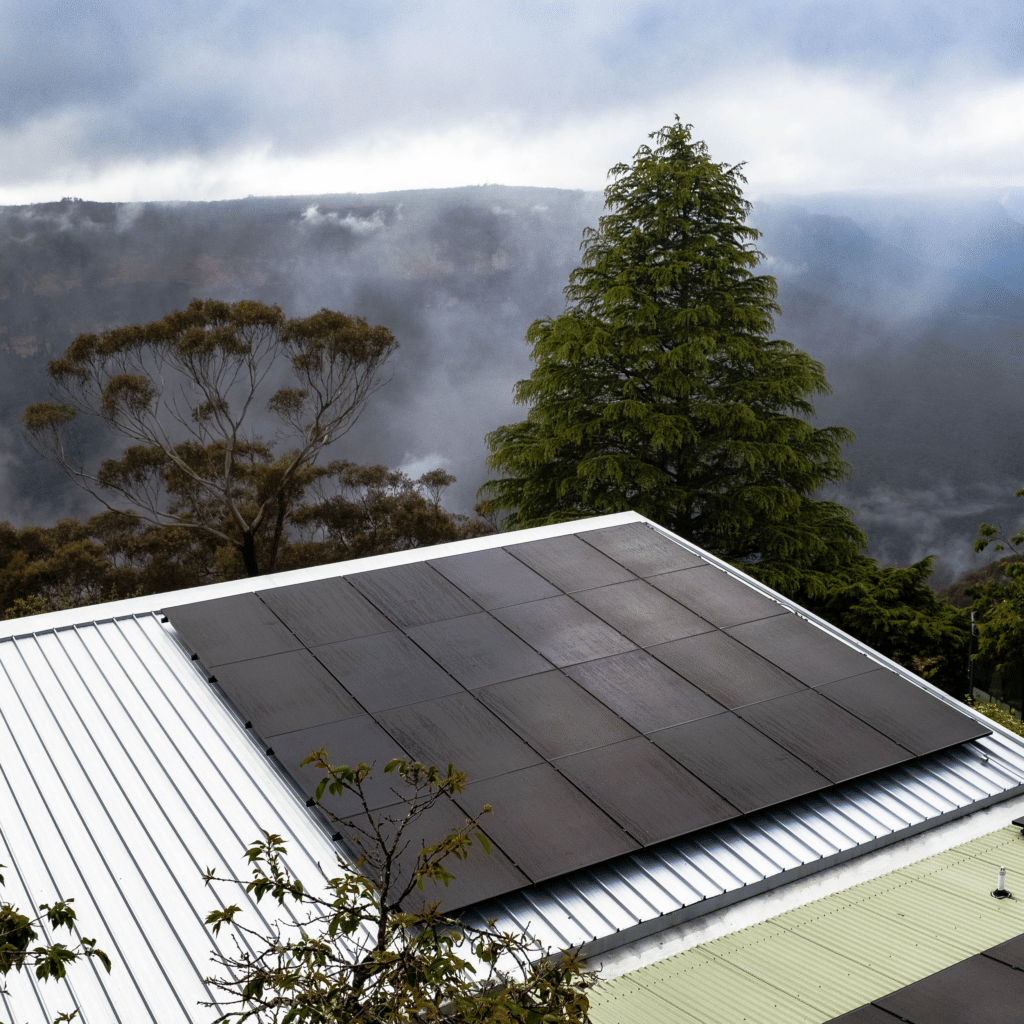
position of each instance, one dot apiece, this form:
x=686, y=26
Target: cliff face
x=915, y=309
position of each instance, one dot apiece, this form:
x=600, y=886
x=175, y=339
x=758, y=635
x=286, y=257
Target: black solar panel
x=716, y=596
x=643, y=614
x=865, y=1015
x=461, y=730
x=803, y=650
x=643, y=789
x=325, y=611
x=570, y=564
x=726, y=670
x=386, y=671
x=643, y=691
x=479, y=877
x=554, y=715
x=978, y=989
x=742, y=764
x=231, y=629
x=829, y=739
x=593, y=723
x=1010, y=952
x=641, y=549
x=577, y=835
x=494, y=578
x=563, y=631
x=411, y=595
x=477, y=650
x=903, y=712
x=352, y=741
x=284, y=692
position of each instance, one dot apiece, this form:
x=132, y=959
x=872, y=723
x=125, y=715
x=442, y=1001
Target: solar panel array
x=604, y=691
x=983, y=989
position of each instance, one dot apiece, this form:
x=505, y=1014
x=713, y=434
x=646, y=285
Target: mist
x=914, y=306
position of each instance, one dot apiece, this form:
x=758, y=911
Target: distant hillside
x=915, y=307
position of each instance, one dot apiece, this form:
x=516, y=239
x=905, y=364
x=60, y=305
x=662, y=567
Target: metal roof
x=123, y=775
x=834, y=954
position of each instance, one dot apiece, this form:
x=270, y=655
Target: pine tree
x=661, y=389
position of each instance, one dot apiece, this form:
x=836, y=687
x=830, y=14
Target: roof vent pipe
x=1001, y=892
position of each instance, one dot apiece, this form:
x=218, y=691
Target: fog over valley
x=914, y=305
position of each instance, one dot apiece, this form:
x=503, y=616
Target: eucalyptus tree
x=190, y=393
x=661, y=388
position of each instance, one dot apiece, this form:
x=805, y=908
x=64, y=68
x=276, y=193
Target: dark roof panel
x=978, y=989
x=411, y=595
x=903, y=712
x=386, y=671
x=352, y=741
x=570, y=564
x=1010, y=952
x=554, y=715
x=325, y=611
x=820, y=733
x=284, y=692
x=563, y=631
x=641, y=549
x=726, y=670
x=477, y=650
x=645, y=791
x=231, y=629
x=577, y=835
x=802, y=649
x=494, y=578
x=644, y=691
x=716, y=596
x=460, y=730
x=642, y=613
x=743, y=765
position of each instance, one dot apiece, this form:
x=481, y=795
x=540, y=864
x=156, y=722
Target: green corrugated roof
x=829, y=956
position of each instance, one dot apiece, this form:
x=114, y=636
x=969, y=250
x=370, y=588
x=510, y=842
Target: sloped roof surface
x=827, y=957
x=606, y=691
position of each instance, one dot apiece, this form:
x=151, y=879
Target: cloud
x=160, y=101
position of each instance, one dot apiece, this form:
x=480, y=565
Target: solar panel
x=644, y=691
x=1010, y=952
x=350, y=742
x=231, y=629
x=643, y=614
x=458, y=729
x=575, y=833
x=644, y=790
x=802, y=649
x=829, y=739
x=570, y=564
x=903, y=712
x=716, y=596
x=494, y=578
x=563, y=631
x=641, y=549
x=480, y=876
x=325, y=611
x=977, y=989
x=477, y=650
x=865, y=1015
x=554, y=715
x=726, y=670
x=284, y=692
x=386, y=671
x=411, y=595
x=748, y=769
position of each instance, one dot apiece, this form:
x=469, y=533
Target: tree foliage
x=20, y=949
x=373, y=946
x=184, y=392
x=661, y=388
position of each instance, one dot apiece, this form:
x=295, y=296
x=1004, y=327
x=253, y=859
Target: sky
x=218, y=99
